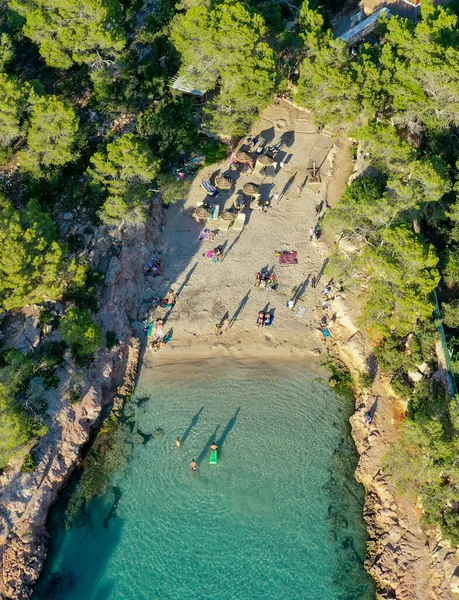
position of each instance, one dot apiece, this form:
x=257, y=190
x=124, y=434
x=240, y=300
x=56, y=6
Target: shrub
x=171, y=189
x=111, y=339
x=29, y=463
x=366, y=380
x=451, y=314
x=82, y=333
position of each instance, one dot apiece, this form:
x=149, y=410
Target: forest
x=89, y=123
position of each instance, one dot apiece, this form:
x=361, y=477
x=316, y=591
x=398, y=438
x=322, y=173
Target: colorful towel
x=287, y=257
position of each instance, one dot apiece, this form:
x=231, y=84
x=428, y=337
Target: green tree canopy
x=13, y=109
x=81, y=332
x=31, y=258
x=124, y=172
x=51, y=136
x=69, y=32
x=225, y=43
x=18, y=425
x=400, y=274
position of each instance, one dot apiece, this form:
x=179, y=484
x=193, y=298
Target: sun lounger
x=222, y=224
x=238, y=224
x=209, y=188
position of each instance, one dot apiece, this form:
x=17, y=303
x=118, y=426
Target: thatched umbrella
x=265, y=160
x=228, y=216
x=250, y=189
x=202, y=213
x=243, y=157
x=222, y=183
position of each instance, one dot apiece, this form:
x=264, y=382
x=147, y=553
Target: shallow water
x=278, y=518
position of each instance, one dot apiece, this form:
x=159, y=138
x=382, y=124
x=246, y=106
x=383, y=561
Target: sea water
x=279, y=517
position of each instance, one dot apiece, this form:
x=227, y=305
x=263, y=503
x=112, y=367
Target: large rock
x=113, y=270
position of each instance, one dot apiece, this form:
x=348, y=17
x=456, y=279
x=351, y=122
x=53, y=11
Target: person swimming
x=178, y=442
x=214, y=446
x=193, y=465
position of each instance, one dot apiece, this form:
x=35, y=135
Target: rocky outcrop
x=406, y=562
x=26, y=498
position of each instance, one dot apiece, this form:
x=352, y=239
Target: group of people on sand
x=264, y=319
x=266, y=279
x=154, y=328
x=193, y=464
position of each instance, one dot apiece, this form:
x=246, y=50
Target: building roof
x=182, y=85
x=362, y=29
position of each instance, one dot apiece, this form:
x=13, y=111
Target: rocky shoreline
x=406, y=562
x=26, y=498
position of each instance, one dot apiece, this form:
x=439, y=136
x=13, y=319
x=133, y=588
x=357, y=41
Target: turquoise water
x=278, y=518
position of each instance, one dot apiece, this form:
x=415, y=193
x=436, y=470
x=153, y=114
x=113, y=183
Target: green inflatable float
x=213, y=460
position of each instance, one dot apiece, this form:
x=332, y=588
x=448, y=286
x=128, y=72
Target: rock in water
x=158, y=433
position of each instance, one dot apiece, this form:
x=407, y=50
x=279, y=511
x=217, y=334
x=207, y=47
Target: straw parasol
x=222, y=183
x=203, y=213
x=265, y=160
x=228, y=216
x=243, y=157
x=250, y=189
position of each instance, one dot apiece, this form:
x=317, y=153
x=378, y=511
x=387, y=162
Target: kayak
x=213, y=460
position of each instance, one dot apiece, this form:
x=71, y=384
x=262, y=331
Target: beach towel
x=288, y=257
x=209, y=188
x=210, y=253
x=150, y=330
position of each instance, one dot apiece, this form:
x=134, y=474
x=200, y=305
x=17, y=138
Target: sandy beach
x=209, y=291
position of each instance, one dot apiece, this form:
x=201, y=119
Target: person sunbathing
x=218, y=254
x=268, y=320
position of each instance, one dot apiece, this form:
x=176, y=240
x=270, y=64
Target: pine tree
x=13, y=109
x=68, y=32
x=51, y=136
x=31, y=258
x=124, y=171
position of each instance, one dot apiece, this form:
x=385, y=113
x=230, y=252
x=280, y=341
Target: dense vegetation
x=89, y=124
x=397, y=224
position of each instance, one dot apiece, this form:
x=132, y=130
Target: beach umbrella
x=265, y=160
x=203, y=213
x=228, y=216
x=223, y=183
x=250, y=189
x=243, y=157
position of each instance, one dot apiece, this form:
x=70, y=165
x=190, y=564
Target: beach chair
x=209, y=188
x=221, y=224
x=239, y=223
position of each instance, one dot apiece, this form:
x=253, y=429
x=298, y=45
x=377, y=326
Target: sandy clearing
x=210, y=291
